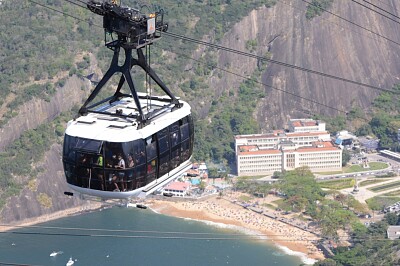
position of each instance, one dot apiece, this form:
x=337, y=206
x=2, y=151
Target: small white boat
x=53, y=254
x=70, y=262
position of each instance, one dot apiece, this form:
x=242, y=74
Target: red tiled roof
x=181, y=186
x=296, y=123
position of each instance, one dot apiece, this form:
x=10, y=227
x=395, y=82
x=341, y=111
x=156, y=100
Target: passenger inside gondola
x=131, y=164
x=99, y=171
x=83, y=170
x=121, y=174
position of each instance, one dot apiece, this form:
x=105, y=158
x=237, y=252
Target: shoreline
x=291, y=240
x=216, y=212
x=91, y=206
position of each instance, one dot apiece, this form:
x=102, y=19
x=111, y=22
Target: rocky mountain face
x=326, y=44
x=43, y=195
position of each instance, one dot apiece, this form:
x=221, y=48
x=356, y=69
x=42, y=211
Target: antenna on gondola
x=134, y=31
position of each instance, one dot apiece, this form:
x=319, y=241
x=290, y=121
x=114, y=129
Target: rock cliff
x=326, y=44
x=44, y=195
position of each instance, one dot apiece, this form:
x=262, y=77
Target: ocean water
x=131, y=236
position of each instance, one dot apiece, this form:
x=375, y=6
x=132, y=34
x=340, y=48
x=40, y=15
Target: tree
x=392, y=218
x=202, y=185
x=345, y=157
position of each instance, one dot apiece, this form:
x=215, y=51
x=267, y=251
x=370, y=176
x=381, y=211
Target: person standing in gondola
x=121, y=175
x=131, y=164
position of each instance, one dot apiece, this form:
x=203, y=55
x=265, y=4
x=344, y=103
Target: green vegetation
x=379, y=203
x=317, y=7
x=370, y=182
x=377, y=165
x=385, y=120
x=385, y=186
x=303, y=195
x=44, y=200
x=18, y=159
x=245, y=198
x=214, y=137
x=369, y=248
x=345, y=157
x=392, y=193
x=251, y=45
x=359, y=168
x=338, y=184
x=392, y=218
x=39, y=47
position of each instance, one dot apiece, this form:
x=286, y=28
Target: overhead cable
x=219, y=47
x=383, y=15
x=266, y=85
x=351, y=22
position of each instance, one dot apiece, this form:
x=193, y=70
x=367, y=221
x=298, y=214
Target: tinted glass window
x=185, y=131
x=151, y=148
x=163, y=144
x=69, y=147
x=164, y=164
x=88, y=145
x=139, y=151
x=185, y=150
x=174, y=134
x=112, y=150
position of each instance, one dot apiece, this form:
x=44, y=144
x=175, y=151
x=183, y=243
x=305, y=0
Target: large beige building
x=272, y=140
x=277, y=151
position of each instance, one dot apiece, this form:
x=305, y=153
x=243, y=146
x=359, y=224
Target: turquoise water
x=119, y=242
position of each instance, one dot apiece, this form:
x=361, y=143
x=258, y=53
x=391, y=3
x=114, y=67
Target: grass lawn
x=337, y=184
x=269, y=206
x=384, y=186
x=245, y=198
x=329, y=173
x=359, y=168
x=250, y=177
x=370, y=182
x=392, y=194
x=282, y=204
x=379, y=202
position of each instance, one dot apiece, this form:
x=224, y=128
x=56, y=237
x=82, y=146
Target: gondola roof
x=100, y=126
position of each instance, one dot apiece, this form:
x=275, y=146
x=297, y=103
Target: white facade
x=258, y=162
x=321, y=157
x=177, y=189
x=272, y=140
x=306, y=125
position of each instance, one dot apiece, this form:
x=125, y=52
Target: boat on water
x=141, y=206
x=70, y=262
x=53, y=254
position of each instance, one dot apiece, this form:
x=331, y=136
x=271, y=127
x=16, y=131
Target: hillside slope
x=326, y=44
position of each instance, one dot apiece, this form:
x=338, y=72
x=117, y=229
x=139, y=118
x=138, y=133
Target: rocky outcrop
x=326, y=44
x=44, y=195
x=37, y=111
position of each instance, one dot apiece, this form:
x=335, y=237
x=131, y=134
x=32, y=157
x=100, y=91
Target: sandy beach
x=222, y=210
x=215, y=209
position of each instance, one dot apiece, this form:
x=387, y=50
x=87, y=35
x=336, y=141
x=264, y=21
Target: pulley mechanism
x=134, y=30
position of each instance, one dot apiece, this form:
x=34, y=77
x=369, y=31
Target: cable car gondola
x=127, y=144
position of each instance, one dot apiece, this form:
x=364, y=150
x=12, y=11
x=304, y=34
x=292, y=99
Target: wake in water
x=55, y=253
